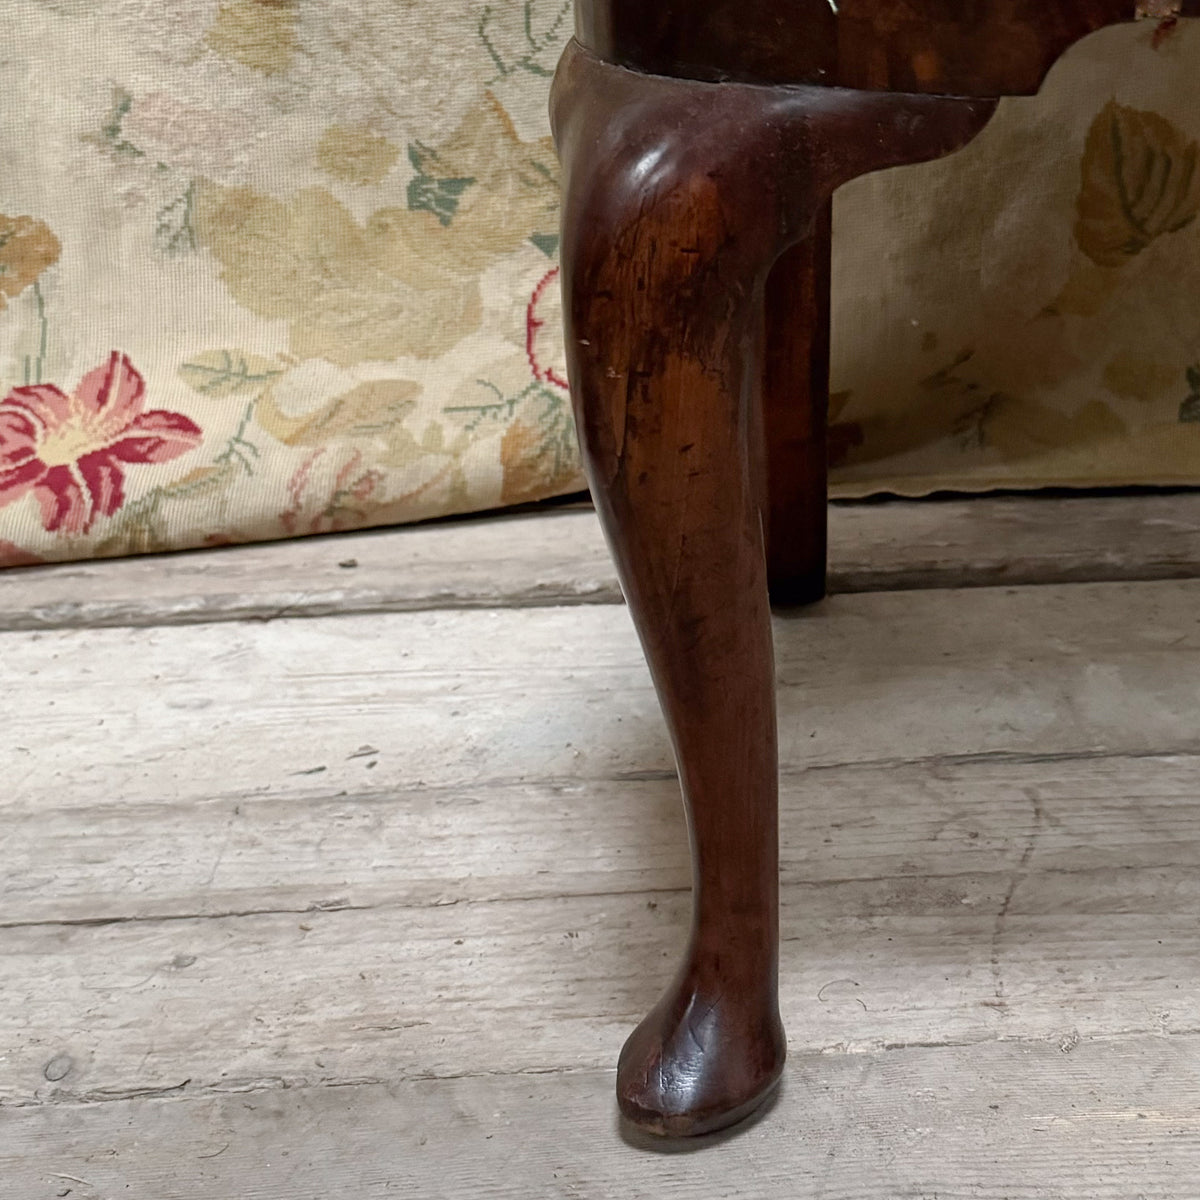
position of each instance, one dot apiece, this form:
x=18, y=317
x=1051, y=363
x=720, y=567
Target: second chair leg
x=795, y=414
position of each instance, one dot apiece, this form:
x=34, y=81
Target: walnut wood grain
x=954, y=47
x=679, y=198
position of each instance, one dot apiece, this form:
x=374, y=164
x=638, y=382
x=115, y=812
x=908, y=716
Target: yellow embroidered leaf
x=350, y=292
x=226, y=372
x=27, y=248
x=197, y=481
x=525, y=474
x=1021, y=428
x=371, y=408
x=1141, y=179
x=1089, y=288
x=1137, y=375
x=355, y=154
x=260, y=34
x=405, y=279
x=533, y=464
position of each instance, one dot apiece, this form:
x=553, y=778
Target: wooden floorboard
x=280, y=1000
x=364, y=904
x=225, y=712
x=558, y=557
x=1092, y=1118
x=858, y=823
x=227, y=848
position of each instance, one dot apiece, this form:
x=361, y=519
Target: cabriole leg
x=680, y=197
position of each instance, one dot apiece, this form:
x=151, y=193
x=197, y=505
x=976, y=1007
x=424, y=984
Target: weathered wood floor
x=341, y=868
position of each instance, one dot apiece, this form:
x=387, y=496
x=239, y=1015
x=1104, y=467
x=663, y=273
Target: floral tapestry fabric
x=270, y=268
x=1026, y=312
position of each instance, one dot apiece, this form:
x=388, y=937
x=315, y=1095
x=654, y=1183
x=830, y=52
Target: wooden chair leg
x=796, y=408
x=661, y=302
x=679, y=197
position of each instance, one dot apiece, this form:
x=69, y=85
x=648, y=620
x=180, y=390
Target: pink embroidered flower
x=69, y=450
x=543, y=329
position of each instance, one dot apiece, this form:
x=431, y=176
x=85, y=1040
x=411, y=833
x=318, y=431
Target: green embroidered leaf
x=140, y=526
x=174, y=232
x=110, y=132
x=525, y=39
x=428, y=192
x=239, y=451
x=225, y=372
x=547, y=243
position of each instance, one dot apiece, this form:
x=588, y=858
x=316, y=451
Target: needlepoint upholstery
x=271, y=268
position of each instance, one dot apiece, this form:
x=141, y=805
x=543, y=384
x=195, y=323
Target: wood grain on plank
x=559, y=557
x=555, y=557
x=870, y=829
x=1104, y=1119
x=284, y=1000
x=220, y=713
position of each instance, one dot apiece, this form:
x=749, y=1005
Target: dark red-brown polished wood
x=952, y=47
x=679, y=199
x=795, y=408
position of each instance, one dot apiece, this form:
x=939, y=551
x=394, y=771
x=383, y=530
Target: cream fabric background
x=273, y=268
x=1027, y=312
